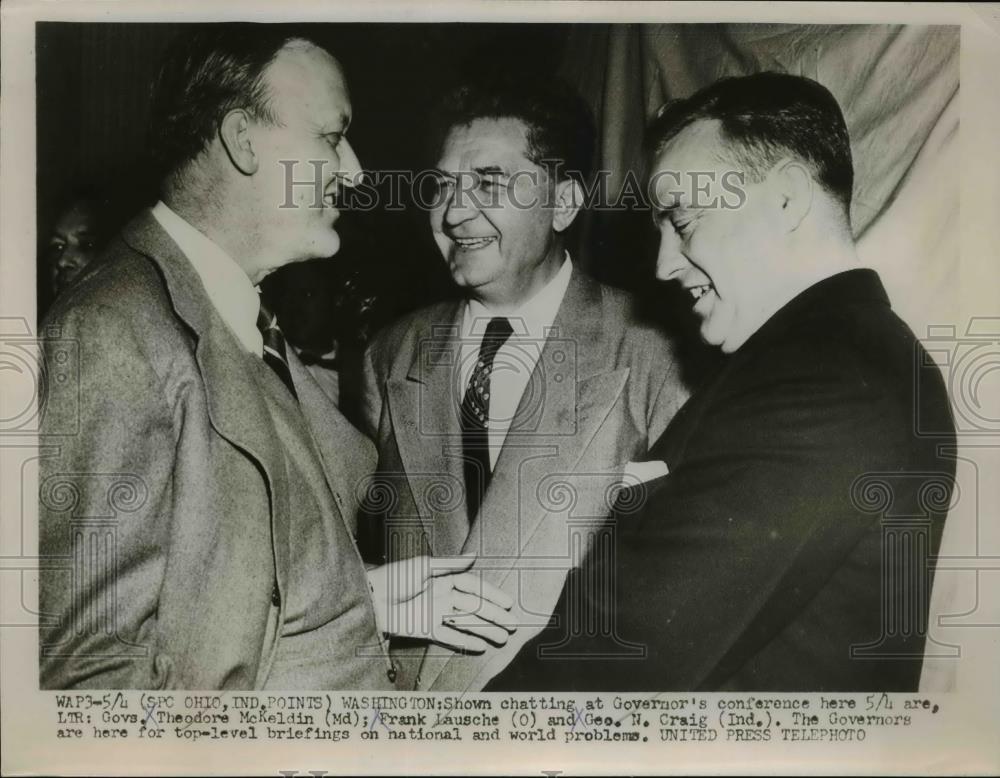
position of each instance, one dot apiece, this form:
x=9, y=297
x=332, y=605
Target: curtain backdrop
x=898, y=88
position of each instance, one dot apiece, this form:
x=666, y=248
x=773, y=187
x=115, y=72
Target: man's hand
x=438, y=599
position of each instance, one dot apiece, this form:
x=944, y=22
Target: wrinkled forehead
x=699, y=146
x=306, y=81
x=694, y=158
x=486, y=143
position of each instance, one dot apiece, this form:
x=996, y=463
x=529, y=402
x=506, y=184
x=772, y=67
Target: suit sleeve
x=108, y=442
x=762, y=495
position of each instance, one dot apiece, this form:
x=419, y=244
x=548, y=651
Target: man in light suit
x=197, y=489
x=790, y=545
x=504, y=420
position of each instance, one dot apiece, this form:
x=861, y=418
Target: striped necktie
x=475, y=416
x=274, y=347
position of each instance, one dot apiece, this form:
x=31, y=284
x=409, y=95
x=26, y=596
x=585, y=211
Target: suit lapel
x=424, y=411
x=569, y=395
x=348, y=457
x=235, y=414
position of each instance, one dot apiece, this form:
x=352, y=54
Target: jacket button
x=391, y=674
x=275, y=596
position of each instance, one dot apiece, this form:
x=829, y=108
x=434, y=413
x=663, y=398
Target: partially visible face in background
x=72, y=244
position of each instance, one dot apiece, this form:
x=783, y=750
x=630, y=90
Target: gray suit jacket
x=163, y=510
x=603, y=388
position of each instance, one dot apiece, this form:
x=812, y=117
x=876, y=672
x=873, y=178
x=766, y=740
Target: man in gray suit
x=197, y=496
x=505, y=421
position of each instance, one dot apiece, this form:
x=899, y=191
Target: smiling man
x=789, y=544
x=208, y=542
x=504, y=420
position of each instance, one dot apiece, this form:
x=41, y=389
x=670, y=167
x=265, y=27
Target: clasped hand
x=440, y=600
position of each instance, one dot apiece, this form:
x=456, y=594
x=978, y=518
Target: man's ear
x=795, y=190
x=568, y=201
x=234, y=132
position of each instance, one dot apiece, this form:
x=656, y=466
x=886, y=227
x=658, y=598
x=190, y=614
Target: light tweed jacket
x=164, y=518
x=604, y=387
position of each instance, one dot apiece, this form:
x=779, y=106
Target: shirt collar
x=228, y=287
x=533, y=318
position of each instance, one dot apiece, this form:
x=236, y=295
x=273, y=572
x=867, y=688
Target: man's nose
x=70, y=258
x=670, y=260
x=350, y=166
x=460, y=206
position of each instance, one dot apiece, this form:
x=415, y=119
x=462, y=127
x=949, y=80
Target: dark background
x=93, y=90
x=93, y=94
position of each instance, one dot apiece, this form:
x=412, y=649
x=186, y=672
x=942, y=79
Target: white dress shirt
x=238, y=303
x=515, y=361
x=227, y=285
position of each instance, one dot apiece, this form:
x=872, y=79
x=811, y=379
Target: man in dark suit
x=504, y=419
x=788, y=546
x=198, y=490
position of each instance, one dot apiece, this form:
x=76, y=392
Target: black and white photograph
x=539, y=387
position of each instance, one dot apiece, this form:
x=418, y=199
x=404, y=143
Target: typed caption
x=643, y=720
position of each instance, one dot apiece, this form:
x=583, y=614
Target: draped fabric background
x=899, y=89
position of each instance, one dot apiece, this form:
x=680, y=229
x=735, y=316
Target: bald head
x=251, y=125
x=204, y=75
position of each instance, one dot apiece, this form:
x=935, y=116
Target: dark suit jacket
x=164, y=512
x=788, y=547
x=604, y=386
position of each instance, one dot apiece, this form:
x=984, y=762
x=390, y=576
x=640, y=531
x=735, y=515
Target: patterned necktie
x=274, y=347
x=475, y=416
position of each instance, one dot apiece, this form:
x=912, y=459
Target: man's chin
x=325, y=246
x=471, y=274
x=470, y=285
x=726, y=342
x=711, y=336
x=332, y=244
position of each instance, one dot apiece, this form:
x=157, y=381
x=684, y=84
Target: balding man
x=787, y=545
x=231, y=563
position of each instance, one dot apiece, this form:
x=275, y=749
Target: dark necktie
x=475, y=416
x=274, y=347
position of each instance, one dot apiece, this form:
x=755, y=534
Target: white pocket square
x=640, y=472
